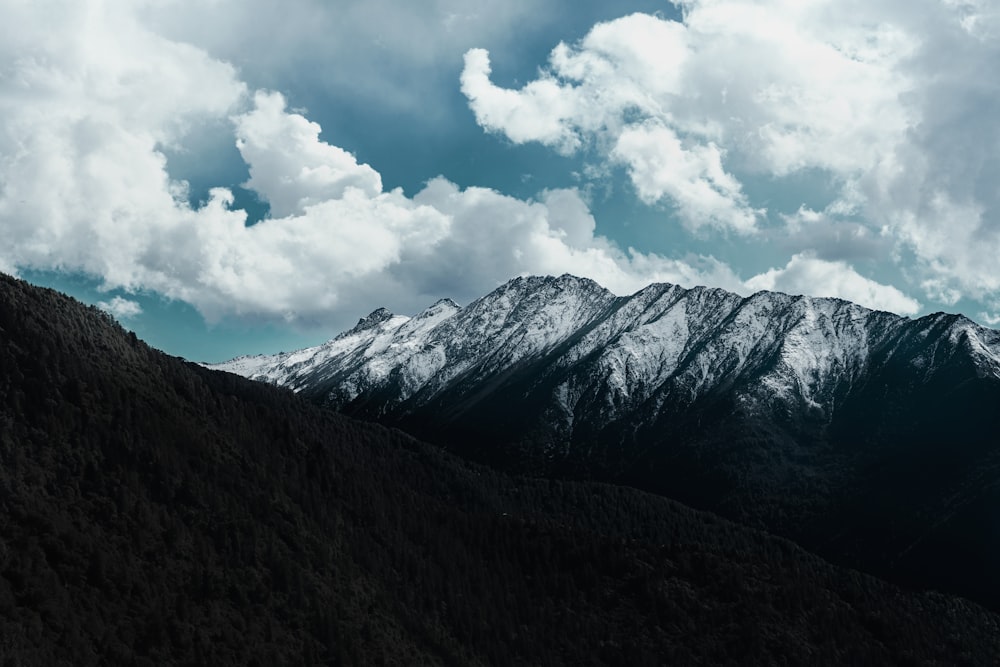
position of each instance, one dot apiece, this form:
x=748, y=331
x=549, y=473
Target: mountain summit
x=598, y=357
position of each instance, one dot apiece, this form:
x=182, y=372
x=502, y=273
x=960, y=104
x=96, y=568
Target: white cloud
x=84, y=187
x=889, y=102
x=808, y=84
x=627, y=67
x=289, y=166
x=693, y=179
x=805, y=274
x=85, y=109
x=538, y=112
x=123, y=309
x=494, y=237
x=670, y=100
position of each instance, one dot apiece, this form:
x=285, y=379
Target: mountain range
x=154, y=512
x=870, y=438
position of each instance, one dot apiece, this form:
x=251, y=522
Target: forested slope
x=155, y=512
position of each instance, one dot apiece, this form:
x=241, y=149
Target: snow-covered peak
x=982, y=344
x=373, y=319
x=660, y=345
x=441, y=309
x=444, y=303
x=249, y=366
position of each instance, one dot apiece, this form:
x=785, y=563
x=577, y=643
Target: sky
x=244, y=177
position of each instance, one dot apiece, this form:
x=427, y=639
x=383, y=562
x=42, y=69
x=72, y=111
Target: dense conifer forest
x=153, y=512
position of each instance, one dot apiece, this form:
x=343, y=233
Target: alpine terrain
x=153, y=512
x=871, y=438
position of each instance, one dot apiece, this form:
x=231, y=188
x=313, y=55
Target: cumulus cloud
x=771, y=80
x=121, y=308
x=805, y=274
x=289, y=166
x=621, y=70
x=692, y=178
x=886, y=101
x=84, y=187
x=753, y=80
x=495, y=236
x=537, y=112
x=86, y=109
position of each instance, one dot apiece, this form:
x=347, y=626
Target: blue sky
x=238, y=177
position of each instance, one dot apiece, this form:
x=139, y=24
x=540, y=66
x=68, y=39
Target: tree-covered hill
x=155, y=512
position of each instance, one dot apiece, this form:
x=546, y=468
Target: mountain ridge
x=628, y=324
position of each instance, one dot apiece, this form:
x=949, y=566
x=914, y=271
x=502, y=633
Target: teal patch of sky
x=974, y=310
x=815, y=189
x=810, y=188
x=206, y=158
x=410, y=146
x=781, y=196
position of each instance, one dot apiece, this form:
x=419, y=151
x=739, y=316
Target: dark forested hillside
x=155, y=512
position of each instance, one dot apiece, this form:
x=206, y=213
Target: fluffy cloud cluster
x=806, y=274
x=785, y=86
x=84, y=186
x=335, y=228
x=889, y=102
x=85, y=108
x=590, y=96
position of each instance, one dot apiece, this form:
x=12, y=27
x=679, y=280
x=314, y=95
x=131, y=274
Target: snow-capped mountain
x=594, y=358
x=871, y=437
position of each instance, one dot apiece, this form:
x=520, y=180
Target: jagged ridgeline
x=155, y=512
x=871, y=438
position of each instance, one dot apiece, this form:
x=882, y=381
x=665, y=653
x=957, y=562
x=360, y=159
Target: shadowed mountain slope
x=871, y=438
